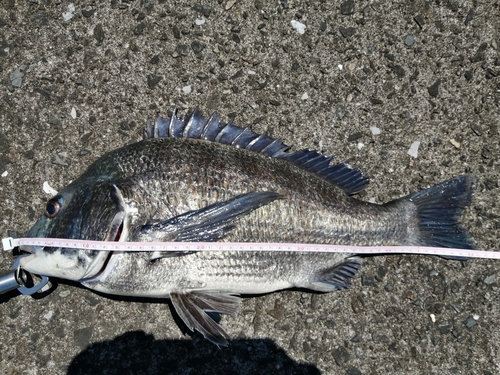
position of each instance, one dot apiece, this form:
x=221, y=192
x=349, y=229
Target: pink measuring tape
x=10, y=243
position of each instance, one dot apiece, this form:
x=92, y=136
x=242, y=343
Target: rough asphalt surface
x=77, y=82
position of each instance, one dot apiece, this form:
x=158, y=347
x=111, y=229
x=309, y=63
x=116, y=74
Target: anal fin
x=337, y=277
x=200, y=311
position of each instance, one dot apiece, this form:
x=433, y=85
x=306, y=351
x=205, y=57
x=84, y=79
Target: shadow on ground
x=138, y=353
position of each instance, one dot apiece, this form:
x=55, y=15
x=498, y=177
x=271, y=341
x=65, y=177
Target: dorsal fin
x=212, y=129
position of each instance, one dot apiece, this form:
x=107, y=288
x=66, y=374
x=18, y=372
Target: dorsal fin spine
x=188, y=125
x=172, y=123
x=238, y=137
x=214, y=118
x=264, y=150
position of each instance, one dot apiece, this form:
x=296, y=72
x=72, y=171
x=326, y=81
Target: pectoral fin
x=200, y=311
x=208, y=224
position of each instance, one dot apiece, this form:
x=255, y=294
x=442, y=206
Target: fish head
x=81, y=211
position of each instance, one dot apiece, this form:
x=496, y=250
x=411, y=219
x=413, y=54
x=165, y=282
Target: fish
x=201, y=179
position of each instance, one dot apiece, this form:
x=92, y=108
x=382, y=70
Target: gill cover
x=83, y=211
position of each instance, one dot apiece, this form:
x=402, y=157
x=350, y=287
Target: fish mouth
x=30, y=249
x=74, y=264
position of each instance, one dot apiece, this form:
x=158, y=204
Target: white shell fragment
x=186, y=89
x=199, y=22
x=230, y=4
x=300, y=27
x=47, y=189
x=374, y=130
x=73, y=113
x=69, y=14
x=304, y=96
x=4, y=174
x=455, y=143
x=413, y=151
x=360, y=145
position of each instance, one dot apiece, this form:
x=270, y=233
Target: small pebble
x=477, y=130
x=64, y=293
x=359, y=352
x=73, y=113
x=433, y=89
x=340, y=111
x=186, y=89
x=304, y=96
x=16, y=77
x=153, y=80
x=350, y=65
x=433, y=318
x=199, y=22
x=490, y=279
x=445, y=328
x=368, y=281
x=49, y=315
x=470, y=322
x=61, y=158
x=374, y=130
x=360, y=146
x=347, y=7
x=70, y=13
x=409, y=40
x=347, y=31
x=4, y=174
x=341, y=355
x=393, y=347
x=197, y=47
x=353, y=371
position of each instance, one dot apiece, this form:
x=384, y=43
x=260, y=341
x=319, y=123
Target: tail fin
x=439, y=208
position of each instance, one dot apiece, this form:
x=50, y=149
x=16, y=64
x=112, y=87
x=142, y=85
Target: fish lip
x=31, y=249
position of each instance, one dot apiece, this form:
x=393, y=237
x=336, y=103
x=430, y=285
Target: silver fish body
x=202, y=180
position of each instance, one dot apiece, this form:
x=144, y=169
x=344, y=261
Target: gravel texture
x=417, y=70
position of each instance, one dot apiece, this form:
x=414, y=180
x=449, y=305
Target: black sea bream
x=199, y=179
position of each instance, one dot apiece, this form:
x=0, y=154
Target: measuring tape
x=10, y=243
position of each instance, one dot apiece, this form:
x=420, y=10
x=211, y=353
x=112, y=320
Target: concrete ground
x=80, y=80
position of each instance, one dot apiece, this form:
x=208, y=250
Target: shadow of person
x=138, y=353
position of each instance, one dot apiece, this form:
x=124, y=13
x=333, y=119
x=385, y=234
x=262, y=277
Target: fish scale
x=199, y=179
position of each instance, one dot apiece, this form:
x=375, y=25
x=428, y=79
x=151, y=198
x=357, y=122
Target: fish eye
x=52, y=208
